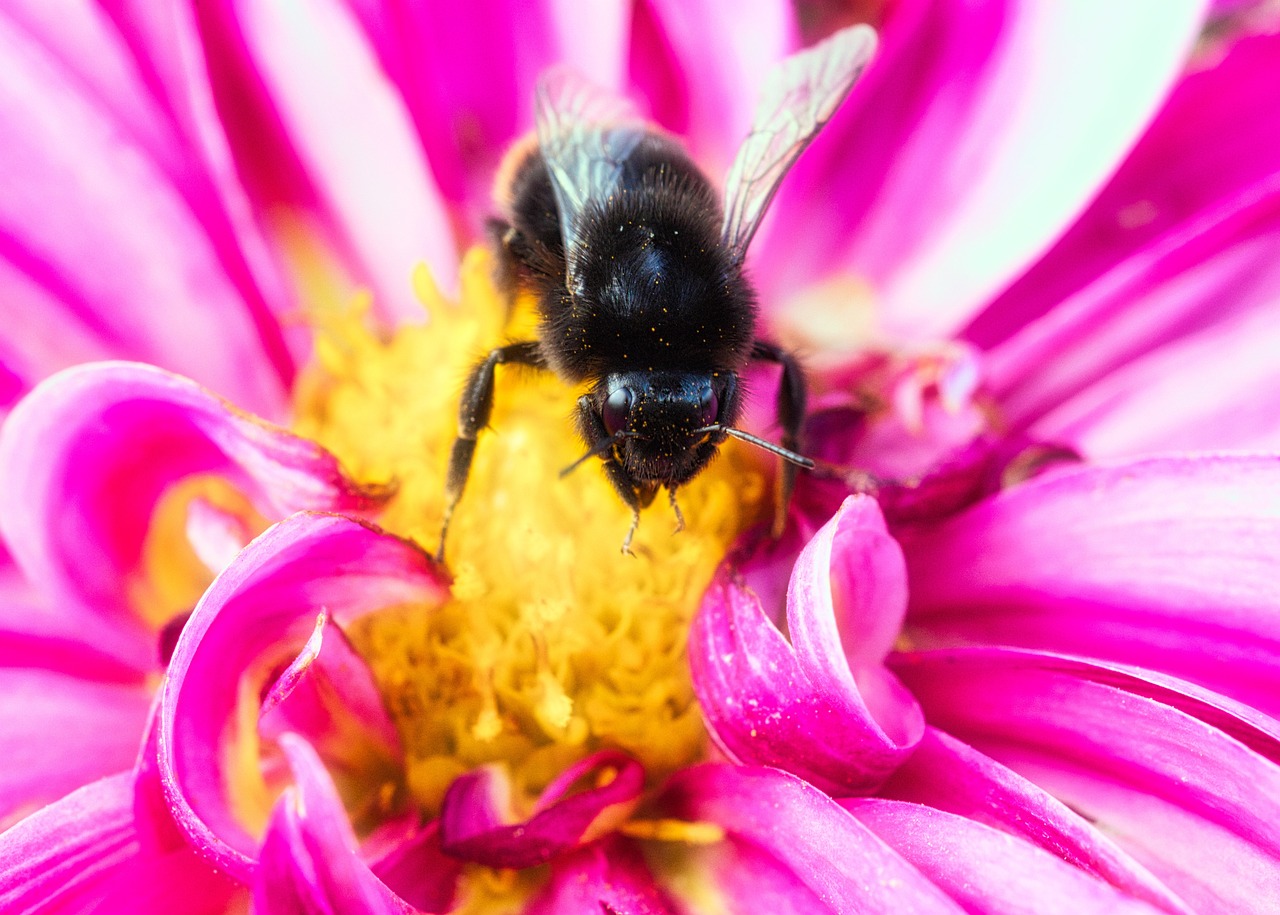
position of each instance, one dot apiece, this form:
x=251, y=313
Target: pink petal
x=81, y=854
x=255, y=615
x=59, y=732
x=59, y=856
x=949, y=776
x=1163, y=563
x=608, y=876
x=308, y=861
x=312, y=78
x=983, y=869
x=467, y=73
x=821, y=706
x=805, y=832
x=951, y=193
x=156, y=275
x=1201, y=391
x=1193, y=805
x=707, y=90
x=68, y=640
x=86, y=457
x=475, y=819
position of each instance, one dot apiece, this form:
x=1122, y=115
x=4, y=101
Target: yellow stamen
x=690, y=833
x=553, y=644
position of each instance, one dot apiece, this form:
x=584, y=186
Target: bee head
x=661, y=418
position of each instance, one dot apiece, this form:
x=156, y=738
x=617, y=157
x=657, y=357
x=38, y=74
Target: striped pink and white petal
x=309, y=111
x=978, y=134
x=821, y=704
x=1166, y=564
x=1174, y=254
x=467, y=75
x=253, y=621
x=117, y=243
x=85, y=459
x=702, y=89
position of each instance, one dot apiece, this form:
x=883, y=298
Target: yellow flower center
x=554, y=643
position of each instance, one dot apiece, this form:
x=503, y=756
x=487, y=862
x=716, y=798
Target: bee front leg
x=473, y=415
x=792, y=394
x=636, y=495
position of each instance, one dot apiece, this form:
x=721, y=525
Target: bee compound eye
x=709, y=406
x=617, y=410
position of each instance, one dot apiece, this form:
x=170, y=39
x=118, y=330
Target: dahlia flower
x=1016, y=651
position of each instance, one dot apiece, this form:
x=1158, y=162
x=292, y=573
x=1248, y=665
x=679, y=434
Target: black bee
x=638, y=275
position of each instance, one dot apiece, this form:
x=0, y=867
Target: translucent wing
x=799, y=97
x=585, y=134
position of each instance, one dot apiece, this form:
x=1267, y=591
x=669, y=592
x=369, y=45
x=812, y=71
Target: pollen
x=553, y=644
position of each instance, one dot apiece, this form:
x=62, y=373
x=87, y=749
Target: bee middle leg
x=474, y=411
x=792, y=394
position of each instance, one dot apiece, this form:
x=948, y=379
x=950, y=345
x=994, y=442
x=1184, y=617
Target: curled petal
x=1193, y=805
x=475, y=822
x=309, y=860
x=807, y=835
x=821, y=706
x=328, y=695
x=1162, y=563
x=86, y=457
x=254, y=617
x=986, y=870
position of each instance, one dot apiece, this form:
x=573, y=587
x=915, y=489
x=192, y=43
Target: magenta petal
x=411, y=863
x=475, y=819
x=1164, y=564
x=821, y=706
x=152, y=273
x=986, y=870
x=945, y=774
x=254, y=617
x=58, y=732
x=604, y=877
x=308, y=861
x=824, y=848
x=84, y=459
x=1193, y=805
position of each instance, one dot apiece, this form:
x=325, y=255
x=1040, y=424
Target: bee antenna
x=598, y=450
x=750, y=439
